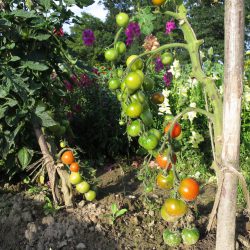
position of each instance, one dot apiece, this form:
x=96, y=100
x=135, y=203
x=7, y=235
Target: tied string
x=243, y=184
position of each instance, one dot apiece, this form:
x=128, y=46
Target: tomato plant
x=175, y=131
x=122, y=19
x=190, y=236
x=67, y=157
x=165, y=181
x=189, y=189
x=172, y=239
x=74, y=167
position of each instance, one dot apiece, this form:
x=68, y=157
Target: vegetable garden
x=133, y=131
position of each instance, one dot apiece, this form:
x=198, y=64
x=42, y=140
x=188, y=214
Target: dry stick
x=217, y=198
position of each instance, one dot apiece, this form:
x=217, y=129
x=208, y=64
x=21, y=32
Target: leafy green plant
x=115, y=213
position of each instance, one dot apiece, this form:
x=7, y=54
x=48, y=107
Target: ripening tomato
x=133, y=81
x=134, y=109
x=111, y=54
x=165, y=182
x=137, y=64
x=134, y=129
x=74, y=167
x=172, y=239
x=175, y=207
x=67, y=157
x=164, y=161
x=157, y=98
x=122, y=19
x=165, y=216
x=175, y=131
x=158, y=2
x=189, y=189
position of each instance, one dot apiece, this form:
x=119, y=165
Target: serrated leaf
x=24, y=156
x=43, y=37
x=145, y=19
x=45, y=4
x=121, y=212
x=35, y=66
x=45, y=119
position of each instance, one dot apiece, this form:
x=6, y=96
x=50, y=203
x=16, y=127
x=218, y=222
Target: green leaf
x=44, y=118
x=15, y=58
x=45, y=4
x=24, y=156
x=145, y=19
x=24, y=14
x=35, y=66
x=114, y=208
x=70, y=2
x=84, y=3
x=3, y=109
x=42, y=37
x=121, y=212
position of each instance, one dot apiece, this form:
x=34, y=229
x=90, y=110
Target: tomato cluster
x=75, y=177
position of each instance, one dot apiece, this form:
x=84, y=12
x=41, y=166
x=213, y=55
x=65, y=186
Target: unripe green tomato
x=75, y=178
x=148, y=84
x=134, y=129
x=141, y=74
x=172, y=239
x=120, y=47
x=111, y=54
x=122, y=19
x=134, y=109
x=155, y=132
x=83, y=187
x=90, y=195
x=137, y=64
x=133, y=81
x=62, y=144
x=114, y=83
x=190, y=236
x=166, y=58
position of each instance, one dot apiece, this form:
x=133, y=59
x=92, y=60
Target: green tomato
x=137, y=64
x=150, y=142
x=134, y=129
x=148, y=84
x=141, y=74
x=90, y=195
x=190, y=236
x=166, y=58
x=134, y=109
x=111, y=54
x=148, y=188
x=120, y=47
x=133, y=81
x=155, y=132
x=122, y=19
x=138, y=96
x=114, y=83
x=75, y=178
x=83, y=187
x=62, y=144
x=147, y=117
x=172, y=239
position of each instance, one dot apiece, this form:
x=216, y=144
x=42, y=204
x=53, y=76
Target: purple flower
x=68, y=85
x=88, y=37
x=170, y=26
x=158, y=64
x=85, y=80
x=167, y=78
x=132, y=31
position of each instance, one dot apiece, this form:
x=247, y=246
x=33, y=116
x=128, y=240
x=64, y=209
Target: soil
x=27, y=225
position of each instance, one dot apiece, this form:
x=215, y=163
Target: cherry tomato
x=150, y=142
x=138, y=64
x=157, y=98
x=111, y=54
x=188, y=189
x=67, y=157
x=134, y=109
x=148, y=84
x=120, y=47
x=165, y=216
x=163, y=160
x=149, y=189
x=166, y=58
x=175, y=207
x=114, y=83
x=138, y=96
x=147, y=117
x=62, y=144
x=140, y=73
x=155, y=132
x=165, y=182
x=74, y=167
x=133, y=81
x=90, y=195
x=83, y=187
x=158, y=2
x=134, y=129
x=172, y=239
x=190, y=236
x=175, y=131
x=75, y=178
x=122, y=19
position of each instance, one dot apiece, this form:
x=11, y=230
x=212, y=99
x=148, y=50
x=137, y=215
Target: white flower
x=195, y=139
x=175, y=69
x=164, y=108
x=192, y=82
x=192, y=115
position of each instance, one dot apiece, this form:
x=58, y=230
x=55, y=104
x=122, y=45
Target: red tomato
x=163, y=160
x=175, y=131
x=74, y=167
x=67, y=157
x=189, y=189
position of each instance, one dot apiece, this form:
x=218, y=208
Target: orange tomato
x=189, y=189
x=162, y=161
x=158, y=2
x=157, y=98
x=175, y=131
x=74, y=167
x=175, y=207
x=67, y=157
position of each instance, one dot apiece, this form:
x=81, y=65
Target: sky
x=95, y=9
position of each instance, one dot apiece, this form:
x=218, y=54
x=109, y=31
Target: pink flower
x=68, y=85
x=170, y=26
x=59, y=32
